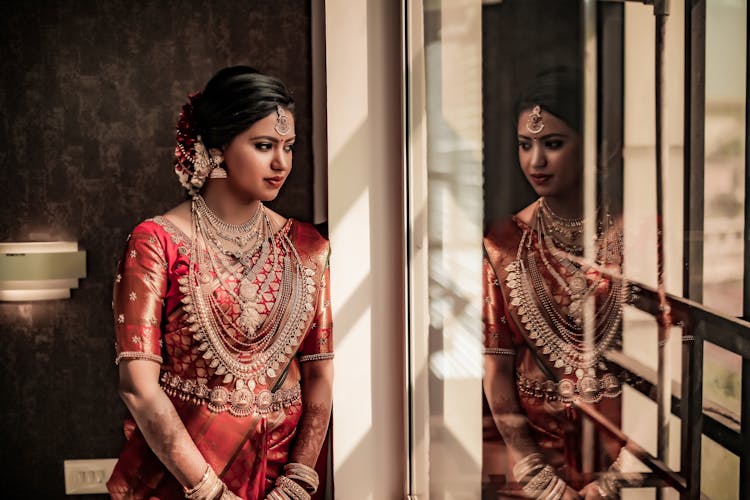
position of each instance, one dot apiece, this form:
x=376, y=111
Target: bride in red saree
x=222, y=314
x=536, y=289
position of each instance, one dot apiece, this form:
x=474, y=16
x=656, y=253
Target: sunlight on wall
x=454, y=153
x=366, y=234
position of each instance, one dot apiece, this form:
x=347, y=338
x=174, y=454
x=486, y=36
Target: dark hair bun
x=234, y=99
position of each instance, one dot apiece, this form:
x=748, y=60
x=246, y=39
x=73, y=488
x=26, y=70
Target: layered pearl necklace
x=242, y=261
x=247, y=262
x=560, y=335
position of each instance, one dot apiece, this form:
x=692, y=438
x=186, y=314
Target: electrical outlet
x=87, y=476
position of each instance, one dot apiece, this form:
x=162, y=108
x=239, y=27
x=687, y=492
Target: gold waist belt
x=588, y=388
x=239, y=402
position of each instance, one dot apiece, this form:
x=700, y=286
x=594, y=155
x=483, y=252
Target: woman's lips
x=275, y=182
x=540, y=179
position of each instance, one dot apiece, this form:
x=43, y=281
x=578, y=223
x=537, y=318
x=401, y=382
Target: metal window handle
x=661, y=7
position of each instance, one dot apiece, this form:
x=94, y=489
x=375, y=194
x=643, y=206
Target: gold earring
x=216, y=159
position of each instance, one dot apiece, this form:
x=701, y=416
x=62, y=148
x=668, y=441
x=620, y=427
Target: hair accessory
x=192, y=162
x=282, y=121
x=535, y=124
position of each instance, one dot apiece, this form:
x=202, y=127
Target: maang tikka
x=535, y=124
x=282, y=121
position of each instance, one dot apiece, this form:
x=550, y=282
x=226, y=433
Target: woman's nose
x=538, y=159
x=281, y=161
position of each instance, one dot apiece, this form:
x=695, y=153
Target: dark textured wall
x=520, y=38
x=89, y=93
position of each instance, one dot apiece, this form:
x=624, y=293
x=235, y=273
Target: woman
x=222, y=314
x=537, y=288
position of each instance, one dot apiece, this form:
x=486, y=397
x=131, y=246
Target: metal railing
x=698, y=325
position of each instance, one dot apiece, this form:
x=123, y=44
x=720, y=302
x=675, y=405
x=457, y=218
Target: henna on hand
x=311, y=432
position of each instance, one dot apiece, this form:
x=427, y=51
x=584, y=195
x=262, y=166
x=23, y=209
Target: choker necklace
x=566, y=233
x=558, y=220
x=237, y=234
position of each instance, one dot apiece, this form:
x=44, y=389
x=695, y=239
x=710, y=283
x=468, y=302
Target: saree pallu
x=246, y=449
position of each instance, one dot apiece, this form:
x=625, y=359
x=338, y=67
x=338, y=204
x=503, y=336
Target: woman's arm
x=317, y=390
x=511, y=421
x=158, y=421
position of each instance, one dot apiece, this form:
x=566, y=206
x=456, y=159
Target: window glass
x=726, y=23
x=453, y=87
x=545, y=191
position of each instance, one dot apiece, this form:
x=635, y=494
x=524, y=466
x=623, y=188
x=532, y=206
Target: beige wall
x=363, y=62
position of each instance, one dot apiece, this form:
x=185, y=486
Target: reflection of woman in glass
x=222, y=314
x=536, y=293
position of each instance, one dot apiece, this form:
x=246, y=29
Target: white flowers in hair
x=202, y=164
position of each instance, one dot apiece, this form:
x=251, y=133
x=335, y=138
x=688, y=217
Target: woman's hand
x=571, y=494
x=592, y=492
x=158, y=421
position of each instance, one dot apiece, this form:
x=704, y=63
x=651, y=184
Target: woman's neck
x=226, y=205
x=567, y=207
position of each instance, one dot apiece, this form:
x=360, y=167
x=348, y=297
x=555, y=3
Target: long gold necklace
x=551, y=228
x=557, y=336
x=258, y=353
x=252, y=278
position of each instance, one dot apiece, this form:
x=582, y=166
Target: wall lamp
x=40, y=270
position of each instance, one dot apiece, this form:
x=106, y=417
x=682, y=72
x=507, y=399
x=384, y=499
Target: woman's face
x=259, y=159
x=550, y=159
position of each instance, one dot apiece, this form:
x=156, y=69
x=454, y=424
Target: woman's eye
x=289, y=148
x=556, y=144
x=524, y=145
x=264, y=146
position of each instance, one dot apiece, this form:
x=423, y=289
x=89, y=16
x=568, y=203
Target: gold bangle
x=217, y=489
x=527, y=466
x=227, y=494
x=207, y=487
x=277, y=494
x=554, y=490
x=303, y=473
x=291, y=488
x=539, y=482
x=190, y=492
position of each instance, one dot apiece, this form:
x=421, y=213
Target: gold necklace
x=565, y=232
x=243, y=270
x=246, y=236
x=258, y=359
x=556, y=337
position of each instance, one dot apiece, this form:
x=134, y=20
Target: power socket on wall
x=87, y=476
